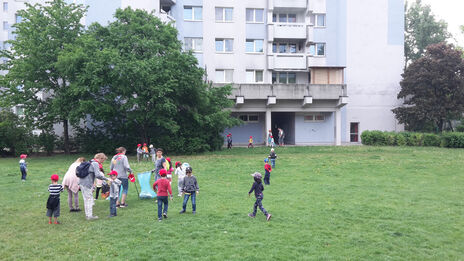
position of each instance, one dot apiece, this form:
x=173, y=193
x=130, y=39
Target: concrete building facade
x=322, y=70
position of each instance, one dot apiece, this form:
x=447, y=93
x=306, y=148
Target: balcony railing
x=290, y=3
x=290, y=30
x=288, y=91
x=287, y=61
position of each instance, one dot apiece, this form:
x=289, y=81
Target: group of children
x=144, y=152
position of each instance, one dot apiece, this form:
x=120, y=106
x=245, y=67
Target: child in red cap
x=267, y=172
x=162, y=187
x=53, y=202
x=115, y=183
x=139, y=152
x=229, y=141
x=250, y=142
x=145, y=151
x=23, y=166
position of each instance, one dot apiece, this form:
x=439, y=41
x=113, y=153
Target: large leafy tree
x=15, y=137
x=138, y=85
x=421, y=30
x=433, y=89
x=34, y=78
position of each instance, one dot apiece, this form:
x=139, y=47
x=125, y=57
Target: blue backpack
x=82, y=170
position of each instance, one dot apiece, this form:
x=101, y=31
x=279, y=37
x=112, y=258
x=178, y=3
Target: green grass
x=328, y=203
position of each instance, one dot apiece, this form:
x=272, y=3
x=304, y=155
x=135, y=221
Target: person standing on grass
x=162, y=187
x=250, y=142
x=160, y=163
x=272, y=157
x=269, y=138
x=53, y=202
x=281, y=137
x=258, y=188
x=180, y=172
x=71, y=183
x=23, y=166
x=267, y=172
x=115, y=183
x=120, y=164
x=190, y=188
x=152, y=153
x=229, y=141
x=145, y=151
x=86, y=183
x=139, y=152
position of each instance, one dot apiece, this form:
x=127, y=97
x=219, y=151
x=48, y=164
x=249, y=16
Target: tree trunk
x=66, y=137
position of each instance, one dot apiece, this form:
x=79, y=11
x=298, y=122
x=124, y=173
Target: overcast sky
x=452, y=11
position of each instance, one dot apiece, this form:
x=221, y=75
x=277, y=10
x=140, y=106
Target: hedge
x=385, y=138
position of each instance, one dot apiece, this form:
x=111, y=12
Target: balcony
x=288, y=91
x=289, y=30
x=289, y=3
x=287, y=61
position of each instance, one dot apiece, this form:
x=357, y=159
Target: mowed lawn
x=328, y=203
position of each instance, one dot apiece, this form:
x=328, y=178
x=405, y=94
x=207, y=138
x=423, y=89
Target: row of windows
x=253, y=15
x=312, y=117
x=255, y=76
x=6, y=25
x=226, y=45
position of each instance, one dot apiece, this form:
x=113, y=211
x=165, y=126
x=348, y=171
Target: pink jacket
x=70, y=180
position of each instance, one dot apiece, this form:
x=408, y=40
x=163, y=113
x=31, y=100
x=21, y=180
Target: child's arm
x=251, y=190
x=170, y=190
x=197, y=188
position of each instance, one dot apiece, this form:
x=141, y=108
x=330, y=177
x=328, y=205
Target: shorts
x=53, y=212
x=125, y=185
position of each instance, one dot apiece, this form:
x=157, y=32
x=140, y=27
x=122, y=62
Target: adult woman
x=120, y=164
x=71, y=183
x=281, y=137
x=86, y=184
x=160, y=163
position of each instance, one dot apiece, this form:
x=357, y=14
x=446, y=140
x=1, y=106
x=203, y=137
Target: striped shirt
x=55, y=189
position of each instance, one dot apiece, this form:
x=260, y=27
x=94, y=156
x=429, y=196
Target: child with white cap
x=258, y=188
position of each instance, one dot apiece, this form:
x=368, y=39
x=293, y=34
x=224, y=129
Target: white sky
x=452, y=11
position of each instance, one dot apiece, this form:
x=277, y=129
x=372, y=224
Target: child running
x=115, y=183
x=189, y=189
x=23, y=166
x=162, y=186
x=229, y=141
x=267, y=172
x=250, y=142
x=258, y=188
x=53, y=202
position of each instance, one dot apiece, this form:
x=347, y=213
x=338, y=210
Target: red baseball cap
x=251, y=137
x=113, y=172
x=138, y=145
x=22, y=156
x=144, y=144
x=163, y=172
x=55, y=177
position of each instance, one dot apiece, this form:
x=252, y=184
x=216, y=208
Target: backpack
x=82, y=170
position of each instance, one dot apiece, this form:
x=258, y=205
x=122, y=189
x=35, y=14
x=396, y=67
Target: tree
x=34, y=79
x=421, y=30
x=433, y=89
x=15, y=137
x=138, y=85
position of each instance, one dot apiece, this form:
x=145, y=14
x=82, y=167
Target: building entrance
x=285, y=121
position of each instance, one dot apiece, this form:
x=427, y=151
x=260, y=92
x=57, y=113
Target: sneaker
x=92, y=218
x=49, y=222
x=251, y=215
x=182, y=212
x=268, y=217
x=57, y=222
x=165, y=215
x=118, y=206
x=194, y=212
x=124, y=205
x=72, y=210
x=77, y=209
x=159, y=219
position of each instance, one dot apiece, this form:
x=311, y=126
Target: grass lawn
x=328, y=203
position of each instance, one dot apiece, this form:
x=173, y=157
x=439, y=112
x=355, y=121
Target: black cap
x=188, y=169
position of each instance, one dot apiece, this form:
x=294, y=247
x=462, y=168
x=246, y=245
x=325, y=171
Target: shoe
x=110, y=216
x=268, y=217
x=57, y=222
x=92, y=218
x=72, y=210
x=194, y=212
x=77, y=209
x=182, y=212
x=180, y=195
x=251, y=215
x=124, y=205
x=159, y=219
x=49, y=222
x=118, y=206
x=165, y=215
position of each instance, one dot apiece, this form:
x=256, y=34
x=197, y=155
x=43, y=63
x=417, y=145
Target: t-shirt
x=159, y=165
x=55, y=189
x=22, y=164
x=163, y=187
x=250, y=140
x=267, y=168
x=257, y=188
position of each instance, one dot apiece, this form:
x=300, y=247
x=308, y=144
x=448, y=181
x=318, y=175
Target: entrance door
x=354, y=132
x=285, y=121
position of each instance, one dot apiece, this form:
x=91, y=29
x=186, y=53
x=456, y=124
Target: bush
x=15, y=138
x=391, y=138
x=452, y=140
x=378, y=138
x=430, y=139
x=401, y=139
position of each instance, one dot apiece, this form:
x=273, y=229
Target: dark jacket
x=258, y=188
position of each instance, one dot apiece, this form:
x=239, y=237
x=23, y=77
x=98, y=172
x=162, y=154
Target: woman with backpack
x=120, y=164
x=71, y=183
x=87, y=172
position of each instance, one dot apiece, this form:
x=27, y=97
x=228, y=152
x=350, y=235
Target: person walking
x=160, y=163
x=120, y=164
x=71, y=184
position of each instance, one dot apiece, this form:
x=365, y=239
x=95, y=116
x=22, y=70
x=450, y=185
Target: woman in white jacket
x=71, y=183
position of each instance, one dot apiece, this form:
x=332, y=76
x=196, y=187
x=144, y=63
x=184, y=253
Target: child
x=273, y=157
x=162, y=186
x=180, y=176
x=190, y=188
x=99, y=182
x=269, y=136
x=258, y=189
x=145, y=151
x=169, y=168
x=229, y=141
x=115, y=183
x=139, y=152
x=53, y=202
x=23, y=166
x=272, y=142
x=152, y=152
x=250, y=142
x=267, y=172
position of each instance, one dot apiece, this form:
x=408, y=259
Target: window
x=254, y=15
x=193, y=13
x=254, y=46
x=5, y=25
x=354, y=132
x=18, y=19
x=317, y=49
x=194, y=44
x=285, y=48
x=224, y=14
x=284, y=18
x=249, y=117
x=283, y=77
x=224, y=76
x=254, y=76
x=224, y=45
x=5, y=7
x=314, y=117
x=320, y=20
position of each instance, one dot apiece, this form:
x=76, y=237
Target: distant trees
x=432, y=89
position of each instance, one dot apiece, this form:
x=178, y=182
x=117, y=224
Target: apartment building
x=322, y=70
